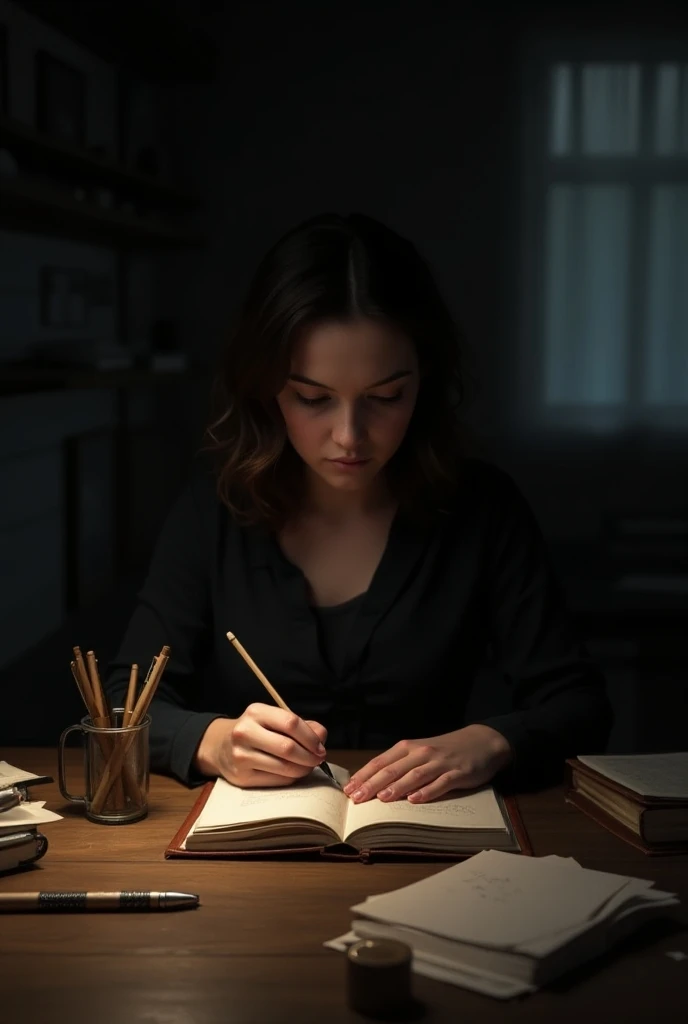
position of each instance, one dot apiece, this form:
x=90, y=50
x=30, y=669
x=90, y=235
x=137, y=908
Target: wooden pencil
x=114, y=765
x=97, y=689
x=150, y=686
x=131, y=694
x=105, y=743
x=272, y=691
x=83, y=676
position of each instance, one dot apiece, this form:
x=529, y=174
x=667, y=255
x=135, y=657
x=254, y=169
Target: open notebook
x=313, y=816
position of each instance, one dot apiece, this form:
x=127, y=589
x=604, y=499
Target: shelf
x=24, y=380
x=43, y=151
x=40, y=208
x=144, y=37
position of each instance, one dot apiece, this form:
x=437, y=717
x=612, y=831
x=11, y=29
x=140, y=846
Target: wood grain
x=252, y=952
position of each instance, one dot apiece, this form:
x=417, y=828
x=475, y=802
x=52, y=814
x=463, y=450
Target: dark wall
x=416, y=113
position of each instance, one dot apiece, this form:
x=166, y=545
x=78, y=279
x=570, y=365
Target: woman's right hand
x=266, y=746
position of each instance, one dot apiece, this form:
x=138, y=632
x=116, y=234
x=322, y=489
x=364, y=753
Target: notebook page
x=314, y=798
x=472, y=810
x=497, y=899
x=663, y=775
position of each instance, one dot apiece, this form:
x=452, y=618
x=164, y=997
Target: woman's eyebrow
x=299, y=379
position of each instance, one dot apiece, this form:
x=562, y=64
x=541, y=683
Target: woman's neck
x=328, y=503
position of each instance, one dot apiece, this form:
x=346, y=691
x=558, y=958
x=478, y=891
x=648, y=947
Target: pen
x=273, y=693
x=9, y=798
x=15, y=902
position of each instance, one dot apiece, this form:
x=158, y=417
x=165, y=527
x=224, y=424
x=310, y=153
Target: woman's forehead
x=361, y=346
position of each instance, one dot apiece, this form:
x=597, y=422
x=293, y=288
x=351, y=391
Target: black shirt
x=475, y=578
x=335, y=624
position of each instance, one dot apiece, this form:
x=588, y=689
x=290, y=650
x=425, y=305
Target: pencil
x=131, y=694
x=83, y=685
x=272, y=691
x=97, y=691
x=114, y=765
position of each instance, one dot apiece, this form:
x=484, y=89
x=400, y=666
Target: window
x=608, y=218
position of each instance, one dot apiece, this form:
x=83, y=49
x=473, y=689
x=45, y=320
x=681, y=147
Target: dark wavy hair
x=333, y=268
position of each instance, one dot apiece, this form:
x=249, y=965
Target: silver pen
x=18, y=902
x=9, y=798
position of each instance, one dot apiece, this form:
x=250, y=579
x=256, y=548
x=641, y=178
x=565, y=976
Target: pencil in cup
x=272, y=691
x=114, y=765
x=89, y=686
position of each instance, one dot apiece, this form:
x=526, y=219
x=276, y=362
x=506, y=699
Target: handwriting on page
x=496, y=888
x=491, y=902
x=472, y=810
x=323, y=798
x=437, y=809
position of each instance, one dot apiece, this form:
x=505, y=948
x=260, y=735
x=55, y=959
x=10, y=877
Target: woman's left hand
x=423, y=770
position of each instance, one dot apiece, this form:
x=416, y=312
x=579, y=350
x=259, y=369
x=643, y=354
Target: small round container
x=379, y=977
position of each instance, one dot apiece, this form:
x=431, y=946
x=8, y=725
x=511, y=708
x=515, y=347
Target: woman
x=362, y=559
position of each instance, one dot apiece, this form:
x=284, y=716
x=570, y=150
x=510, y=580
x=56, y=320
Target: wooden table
x=252, y=953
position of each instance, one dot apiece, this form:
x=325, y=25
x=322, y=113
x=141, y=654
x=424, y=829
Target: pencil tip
x=230, y=636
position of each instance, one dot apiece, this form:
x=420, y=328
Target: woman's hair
x=333, y=268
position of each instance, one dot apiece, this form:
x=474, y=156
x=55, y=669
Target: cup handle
x=61, y=767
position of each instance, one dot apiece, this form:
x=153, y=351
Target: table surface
x=252, y=952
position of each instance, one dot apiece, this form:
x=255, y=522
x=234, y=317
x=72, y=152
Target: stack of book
x=21, y=841
x=505, y=925
x=641, y=798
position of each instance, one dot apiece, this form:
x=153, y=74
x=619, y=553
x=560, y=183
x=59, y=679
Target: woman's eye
x=311, y=401
x=322, y=399
x=389, y=398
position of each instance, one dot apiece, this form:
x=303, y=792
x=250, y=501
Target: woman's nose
x=348, y=429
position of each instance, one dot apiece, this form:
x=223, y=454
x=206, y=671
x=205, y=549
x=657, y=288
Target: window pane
x=671, y=109
x=666, y=362
x=586, y=294
x=561, y=110
x=610, y=108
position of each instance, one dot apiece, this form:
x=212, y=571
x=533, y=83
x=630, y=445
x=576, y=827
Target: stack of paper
x=21, y=841
x=505, y=925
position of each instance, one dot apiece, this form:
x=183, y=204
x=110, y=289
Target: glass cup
x=116, y=770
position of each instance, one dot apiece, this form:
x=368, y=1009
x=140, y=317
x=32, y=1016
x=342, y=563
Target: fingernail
x=321, y=749
x=385, y=794
x=358, y=795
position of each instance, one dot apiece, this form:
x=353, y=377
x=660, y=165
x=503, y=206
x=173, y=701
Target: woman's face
x=349, y=398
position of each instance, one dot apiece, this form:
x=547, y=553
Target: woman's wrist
x=207, y=759
x=499, y=746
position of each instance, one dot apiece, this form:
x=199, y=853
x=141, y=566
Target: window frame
x=538, y=170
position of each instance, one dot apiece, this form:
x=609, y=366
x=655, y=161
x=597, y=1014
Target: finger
x=281, y=747
x=264, y=779
x=291, y=738
x=410, y=782
x=319, y=730
x=373, y=766
x=443, y=784
x=387, y=778
x=258, y=760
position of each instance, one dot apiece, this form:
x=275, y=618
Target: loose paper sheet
x=26, y=815
x=466, y=977
x=499, y=900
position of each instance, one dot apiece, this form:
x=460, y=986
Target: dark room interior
x=536, y=155
x=132, y=220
